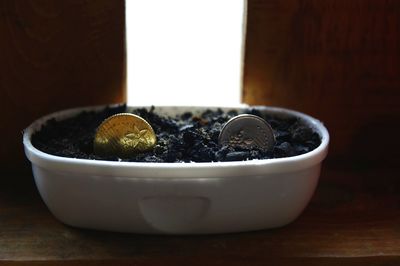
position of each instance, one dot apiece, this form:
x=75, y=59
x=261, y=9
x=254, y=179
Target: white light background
x=185, y=52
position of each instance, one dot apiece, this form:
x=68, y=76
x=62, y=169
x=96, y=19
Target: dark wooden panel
x=338, y=60
x=55, y=55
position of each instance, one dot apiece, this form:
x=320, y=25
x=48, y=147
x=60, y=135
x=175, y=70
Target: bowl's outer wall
x=201, y=198
x=176, y=206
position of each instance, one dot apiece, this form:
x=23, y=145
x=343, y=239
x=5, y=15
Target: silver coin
x=247, y=131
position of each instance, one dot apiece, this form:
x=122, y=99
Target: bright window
x=185, y=52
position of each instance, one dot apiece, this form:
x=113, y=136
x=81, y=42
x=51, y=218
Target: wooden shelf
x=353, y=219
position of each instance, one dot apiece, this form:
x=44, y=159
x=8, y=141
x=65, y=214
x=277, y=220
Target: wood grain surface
x=55, y=55
x=338, y=60
x=353, y=218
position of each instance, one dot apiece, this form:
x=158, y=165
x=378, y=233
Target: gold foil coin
x=123, y=135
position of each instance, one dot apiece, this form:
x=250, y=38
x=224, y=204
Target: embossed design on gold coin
x=124, y=135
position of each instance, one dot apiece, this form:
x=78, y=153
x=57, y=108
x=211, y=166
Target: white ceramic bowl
x=177, y=198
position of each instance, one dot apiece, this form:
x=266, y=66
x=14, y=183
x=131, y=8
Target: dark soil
x=186, y=138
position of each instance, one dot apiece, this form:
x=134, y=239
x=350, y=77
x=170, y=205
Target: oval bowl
x=177, y=198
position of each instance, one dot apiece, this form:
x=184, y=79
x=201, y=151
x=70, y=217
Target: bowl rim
x=162, y=170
